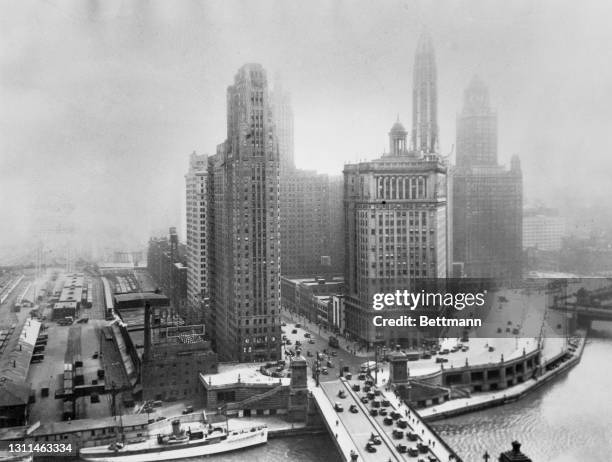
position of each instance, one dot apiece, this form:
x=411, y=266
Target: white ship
x=200, y=440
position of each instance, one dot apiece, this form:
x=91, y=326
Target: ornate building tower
x=425, y=98
x=395, y=210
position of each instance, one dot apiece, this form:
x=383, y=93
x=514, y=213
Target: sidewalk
x=348, y=346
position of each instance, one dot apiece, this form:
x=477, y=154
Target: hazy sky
x=101, y=102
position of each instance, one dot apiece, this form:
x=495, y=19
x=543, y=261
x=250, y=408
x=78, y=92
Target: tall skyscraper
x=487, y=198
x=282, y=111
x=425, y=98
x=395, y=233
x=476, y=128
x=196, y=182
x=245, y=225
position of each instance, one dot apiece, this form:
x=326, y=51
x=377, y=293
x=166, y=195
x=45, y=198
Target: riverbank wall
x=477, y=403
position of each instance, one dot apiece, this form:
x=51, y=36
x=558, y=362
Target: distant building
x=543, y=229
x=166, y=262
x=196, y=181
x=311, y=205
x=487, y=198
x=244, y=234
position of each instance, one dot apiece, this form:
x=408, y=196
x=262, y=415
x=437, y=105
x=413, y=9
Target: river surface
x=568, y=420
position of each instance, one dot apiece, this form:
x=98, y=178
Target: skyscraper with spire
x=396, y=215
x=425, y=98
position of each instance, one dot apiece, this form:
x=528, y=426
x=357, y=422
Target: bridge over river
x=352, y=431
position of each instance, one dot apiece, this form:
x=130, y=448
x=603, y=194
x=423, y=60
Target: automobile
x=342, y=394
x=373, y=412
x=307, y=334
x=491, y=349
x=95, y=355
x=426, y=356
x=83, y=321
x=188, y=410
x=445, y=351
x=375, y=439
x=361, y=377
x=294, y=331
x=465, y=348
x=375, y=403
x=401, y=423
x=377, y=392
x=353, y=409
x=370, y=447
x=454, y=349
x=423, y=448
x=311, y=341
x=364, y=399
x=401, y=448
x=382, y=411
x=298, y=326
x=515, y=331
x=413, y=452
x=433, y=352
x=397, y=434
x=412, y=436
x=395, y=415
x=441, y=360
x=284, y=337
x=499, y=330
x=160, y=418
x=386, y=403
x=349, y=376
x=338, y=407
x=288, y=342
x=298, y=343
x=333, y=353
x=356, y=387
x=370, y=394
x=330, y=364
x=324, y=371
x=387, y=420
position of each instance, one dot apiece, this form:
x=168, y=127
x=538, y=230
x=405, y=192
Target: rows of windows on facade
x=407, y=215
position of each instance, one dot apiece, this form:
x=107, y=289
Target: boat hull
x=234, y=442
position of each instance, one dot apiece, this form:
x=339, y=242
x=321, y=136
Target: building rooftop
x=15, y=363
x=249, y=374
x=128, y=420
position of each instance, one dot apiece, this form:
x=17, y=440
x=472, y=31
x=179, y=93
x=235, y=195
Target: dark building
x=487, y=198
x=244, y=233
x=166, y=262
x=172, y=360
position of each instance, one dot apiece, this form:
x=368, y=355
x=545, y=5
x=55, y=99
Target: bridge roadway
x=598, y=313
x=352, y=431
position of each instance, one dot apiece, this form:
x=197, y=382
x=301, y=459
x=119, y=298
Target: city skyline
x=136, y=103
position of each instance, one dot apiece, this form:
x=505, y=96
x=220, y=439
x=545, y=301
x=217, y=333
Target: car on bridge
x=370, y=447
x=338, y=407
x=353, y=409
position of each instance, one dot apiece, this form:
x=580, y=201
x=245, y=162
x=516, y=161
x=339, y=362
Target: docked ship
x=198, y=440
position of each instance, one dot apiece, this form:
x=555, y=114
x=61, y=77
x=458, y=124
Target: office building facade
x=244, y=232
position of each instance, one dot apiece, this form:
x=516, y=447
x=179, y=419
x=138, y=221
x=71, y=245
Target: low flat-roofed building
x=139, y=299
x=311, y=297
x=17, y=350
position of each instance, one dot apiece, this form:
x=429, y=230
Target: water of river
x=569, y=420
